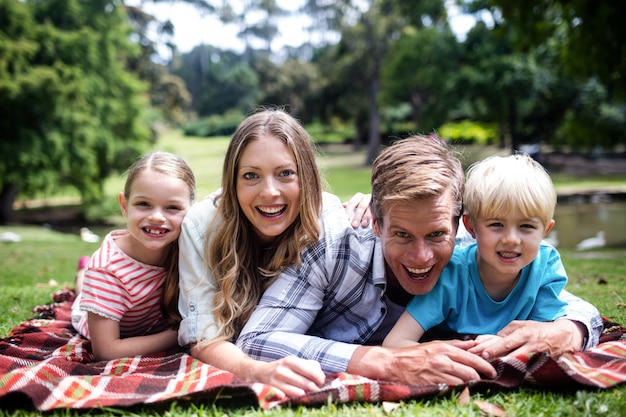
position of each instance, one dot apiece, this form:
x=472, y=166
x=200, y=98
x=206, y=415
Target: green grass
x=45, y=260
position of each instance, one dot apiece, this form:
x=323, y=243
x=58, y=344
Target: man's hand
x=358, y=209
x=428, y=363
x=524, y=337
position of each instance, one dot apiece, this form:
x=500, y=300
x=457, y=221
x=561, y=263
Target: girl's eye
x=142, y=204
x=176, y=208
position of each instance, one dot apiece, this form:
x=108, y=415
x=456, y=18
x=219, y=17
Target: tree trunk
x=7, y=198
x=374, y=131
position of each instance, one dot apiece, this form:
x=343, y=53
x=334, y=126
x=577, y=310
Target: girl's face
x=268, y=189
x=154, y=213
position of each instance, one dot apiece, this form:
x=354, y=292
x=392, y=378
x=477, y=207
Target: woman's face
x=268, y=188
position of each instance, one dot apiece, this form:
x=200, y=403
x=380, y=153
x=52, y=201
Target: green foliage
x=215, y=125
x=71, y=113
x=418, y=70
x=334, y=132
x=218, y=81
x=592, y=122
x=468, y=132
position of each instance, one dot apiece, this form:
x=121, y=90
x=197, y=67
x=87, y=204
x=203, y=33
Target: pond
x=579, y=217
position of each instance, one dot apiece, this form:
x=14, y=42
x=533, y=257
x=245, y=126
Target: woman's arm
x=291, y=375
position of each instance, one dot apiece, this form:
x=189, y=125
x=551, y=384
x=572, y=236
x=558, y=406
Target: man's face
x=417, y=241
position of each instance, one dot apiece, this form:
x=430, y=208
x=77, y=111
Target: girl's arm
x=292, y=375
x=406, y=332
x=107, y=345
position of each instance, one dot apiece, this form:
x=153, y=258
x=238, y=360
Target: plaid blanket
x=45, y=364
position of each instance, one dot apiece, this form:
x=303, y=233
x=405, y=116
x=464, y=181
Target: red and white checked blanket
x=45, y=364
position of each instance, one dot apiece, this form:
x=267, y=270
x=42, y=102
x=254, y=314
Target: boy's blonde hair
x=498, y=184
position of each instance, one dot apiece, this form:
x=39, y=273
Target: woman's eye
x=249, y=176
x=287, y=173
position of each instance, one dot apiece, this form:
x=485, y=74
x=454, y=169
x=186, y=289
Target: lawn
x=46, y=259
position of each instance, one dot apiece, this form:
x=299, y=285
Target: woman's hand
x=292, y=375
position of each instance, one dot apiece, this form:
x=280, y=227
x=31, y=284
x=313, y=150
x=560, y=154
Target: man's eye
x=436, y=234
x=402, y=234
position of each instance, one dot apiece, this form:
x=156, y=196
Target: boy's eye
x=142, y=204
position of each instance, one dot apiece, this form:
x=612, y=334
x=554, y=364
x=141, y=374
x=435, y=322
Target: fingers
x=358, y=208
x=295, y=376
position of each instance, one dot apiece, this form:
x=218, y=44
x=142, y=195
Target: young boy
x=509, y=273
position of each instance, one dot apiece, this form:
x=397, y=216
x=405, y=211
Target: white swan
x=597, y=241
x=88, y=236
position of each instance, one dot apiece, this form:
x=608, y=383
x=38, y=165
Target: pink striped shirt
x=122, y=289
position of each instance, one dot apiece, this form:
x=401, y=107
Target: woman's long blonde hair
x=241, y=266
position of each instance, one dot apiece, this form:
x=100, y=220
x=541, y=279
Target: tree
x=418, y=70
x=71, y=112
x=594, y=34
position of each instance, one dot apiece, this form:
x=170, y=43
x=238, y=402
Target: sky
x=191, y=28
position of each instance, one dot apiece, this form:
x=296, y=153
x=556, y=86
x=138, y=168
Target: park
x=80, y=108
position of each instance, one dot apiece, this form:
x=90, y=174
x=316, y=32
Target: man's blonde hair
x=498, y=184
x=416, y=169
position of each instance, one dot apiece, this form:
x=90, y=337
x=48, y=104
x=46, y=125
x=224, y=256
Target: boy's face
x=506, y=244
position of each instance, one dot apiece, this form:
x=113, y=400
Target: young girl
x=128, y=302
x=509, y=273
x=236, y=241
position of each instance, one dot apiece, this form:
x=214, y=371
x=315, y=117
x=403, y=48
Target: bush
x=215, y=125
x=467, y=132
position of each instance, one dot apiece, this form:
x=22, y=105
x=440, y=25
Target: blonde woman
x=236, y=241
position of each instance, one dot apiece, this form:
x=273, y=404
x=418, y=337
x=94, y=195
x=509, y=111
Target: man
x=351, y=287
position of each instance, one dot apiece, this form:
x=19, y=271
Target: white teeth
x=419, y=271
x=271, y=210
x=508, y=255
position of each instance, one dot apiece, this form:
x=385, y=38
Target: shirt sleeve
x=585, y=313
x=279, y=325
x=197, y=289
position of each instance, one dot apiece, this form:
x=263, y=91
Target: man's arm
x=580, y=329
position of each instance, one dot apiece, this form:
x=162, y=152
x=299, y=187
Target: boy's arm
x=406, y=332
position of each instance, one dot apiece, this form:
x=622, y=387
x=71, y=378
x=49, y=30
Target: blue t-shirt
x=459, y=302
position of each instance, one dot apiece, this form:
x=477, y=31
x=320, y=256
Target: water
x=581, y=217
